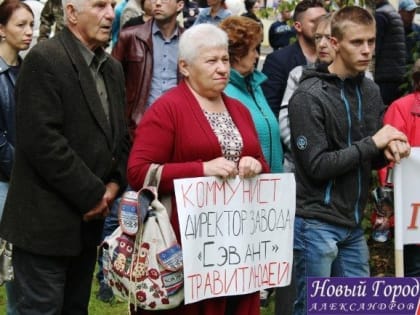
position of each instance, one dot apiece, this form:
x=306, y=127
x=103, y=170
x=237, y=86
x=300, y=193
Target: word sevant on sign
x=221, y=255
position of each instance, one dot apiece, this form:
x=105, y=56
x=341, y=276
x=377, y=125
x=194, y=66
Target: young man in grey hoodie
x=337, y=139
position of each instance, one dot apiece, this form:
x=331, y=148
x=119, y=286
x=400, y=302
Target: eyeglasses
x=319, y=37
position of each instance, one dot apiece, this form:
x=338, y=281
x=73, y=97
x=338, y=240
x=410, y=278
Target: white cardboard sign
x=237, y=235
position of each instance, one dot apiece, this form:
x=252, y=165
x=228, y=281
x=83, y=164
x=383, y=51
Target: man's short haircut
x=200, y=36
x=305, y=5
x=350, y=15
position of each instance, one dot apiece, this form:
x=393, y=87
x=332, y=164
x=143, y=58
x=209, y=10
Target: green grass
x=97, y=307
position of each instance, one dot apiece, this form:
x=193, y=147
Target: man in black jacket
x=279, y=63
x=337, y=139
x=390, y=51
x=70, y=161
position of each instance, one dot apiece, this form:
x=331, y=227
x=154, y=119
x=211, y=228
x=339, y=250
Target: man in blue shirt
x=148, y=54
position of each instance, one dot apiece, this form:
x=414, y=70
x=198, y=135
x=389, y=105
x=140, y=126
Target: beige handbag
x=142, y=259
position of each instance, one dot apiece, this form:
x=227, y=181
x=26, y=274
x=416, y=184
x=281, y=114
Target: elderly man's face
x=94, y=22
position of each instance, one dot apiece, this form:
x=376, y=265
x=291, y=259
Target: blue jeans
x=326, y=250
x=110, y=224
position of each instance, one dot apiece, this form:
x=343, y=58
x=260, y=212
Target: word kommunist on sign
x=237, y=235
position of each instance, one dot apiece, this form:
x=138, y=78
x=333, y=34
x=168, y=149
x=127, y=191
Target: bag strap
x=145, y=197
x=130, y=214
x=153, y=175
x=147, y=201
x=132, y=293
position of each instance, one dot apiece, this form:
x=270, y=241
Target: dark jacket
x=7, y=120
x=276, y=67
x=134, y=50
x=66, y=149
x=390, y=50
x=332, y=123
x=280, y=34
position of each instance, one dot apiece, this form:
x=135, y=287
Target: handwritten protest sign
x=407, y=200
x=237, y=235
x=406, y=205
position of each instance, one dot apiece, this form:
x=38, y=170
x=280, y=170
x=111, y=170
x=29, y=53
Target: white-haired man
x=70, y=159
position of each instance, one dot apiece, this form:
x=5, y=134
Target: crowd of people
x=80, y=126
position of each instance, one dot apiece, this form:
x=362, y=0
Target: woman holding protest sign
x=195, y=130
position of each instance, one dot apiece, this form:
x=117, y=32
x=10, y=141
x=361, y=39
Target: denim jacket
x=7, y=120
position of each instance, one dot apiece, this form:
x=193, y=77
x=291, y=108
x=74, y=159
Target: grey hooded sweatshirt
x=332, y=122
